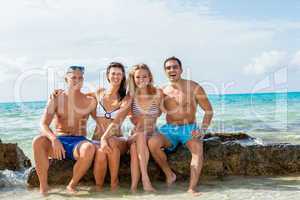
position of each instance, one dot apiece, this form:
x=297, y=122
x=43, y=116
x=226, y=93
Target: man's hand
x=131, y=139
x=58, y=150
x=105, y=147
x=197, y=134
x=56, y=93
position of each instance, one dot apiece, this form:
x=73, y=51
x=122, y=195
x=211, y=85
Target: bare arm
x=113, y=128
x=161, y=101
x=204, y=103
x=95, y=94
x=90, y=94
x=47, y=118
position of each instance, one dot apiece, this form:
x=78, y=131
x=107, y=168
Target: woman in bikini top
x=110, y=102
x=145, y=109
x=106, y=111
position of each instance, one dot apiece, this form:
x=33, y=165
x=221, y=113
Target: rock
x=12, y=157
x=224, y=154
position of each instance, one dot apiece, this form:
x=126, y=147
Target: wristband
x=203, y=131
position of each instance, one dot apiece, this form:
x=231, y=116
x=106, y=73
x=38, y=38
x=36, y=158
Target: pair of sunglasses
x=73, y=68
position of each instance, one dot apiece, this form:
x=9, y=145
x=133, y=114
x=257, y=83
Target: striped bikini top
x=153, y=109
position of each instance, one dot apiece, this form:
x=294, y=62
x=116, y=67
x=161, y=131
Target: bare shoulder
x=196, y=88
x=91, y=102
x=91, y=99
x=191, y=83
x=126, y=100
x=100, y=90
x=159, y=92
x=61, y=97
x=165, y=89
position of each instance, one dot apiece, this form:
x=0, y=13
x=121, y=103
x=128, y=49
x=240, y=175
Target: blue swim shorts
x=176, y=134
x=69, y=143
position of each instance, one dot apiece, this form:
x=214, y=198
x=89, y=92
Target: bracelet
x=203, y=131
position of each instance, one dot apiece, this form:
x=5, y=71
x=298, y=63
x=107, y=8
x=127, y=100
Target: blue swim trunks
x=178, y=133
x=69, y=143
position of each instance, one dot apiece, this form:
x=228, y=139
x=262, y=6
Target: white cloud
x=56, y=33
x=10, y=67
x=272, y=60
x=266, y=62
x=295, y=62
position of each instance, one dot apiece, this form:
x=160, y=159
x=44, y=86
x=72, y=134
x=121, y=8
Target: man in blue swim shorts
x=69, y=111
x=182, y=97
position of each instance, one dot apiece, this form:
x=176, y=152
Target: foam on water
x=10, y=178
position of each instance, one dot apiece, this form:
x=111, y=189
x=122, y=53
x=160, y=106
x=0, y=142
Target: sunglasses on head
x=73, y=68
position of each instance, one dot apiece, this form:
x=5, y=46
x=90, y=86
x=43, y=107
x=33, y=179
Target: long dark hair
x=122, y=88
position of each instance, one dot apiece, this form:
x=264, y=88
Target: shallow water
x=277, y=188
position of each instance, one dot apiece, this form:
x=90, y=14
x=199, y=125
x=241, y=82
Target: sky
x=226, y=46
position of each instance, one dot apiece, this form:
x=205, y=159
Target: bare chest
x=180, y=99
x=73, y=110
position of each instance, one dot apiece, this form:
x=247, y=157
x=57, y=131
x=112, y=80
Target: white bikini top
x=101, y=111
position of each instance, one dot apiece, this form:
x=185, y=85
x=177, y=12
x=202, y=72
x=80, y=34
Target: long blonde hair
x=131, y=83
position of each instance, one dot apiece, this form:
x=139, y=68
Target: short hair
x=173, y=58
x=73, y=68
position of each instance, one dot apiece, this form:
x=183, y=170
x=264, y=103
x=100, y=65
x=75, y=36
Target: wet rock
x=12, y=157
x=224, y=154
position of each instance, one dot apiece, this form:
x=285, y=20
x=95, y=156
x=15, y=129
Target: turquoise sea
x=271, y=117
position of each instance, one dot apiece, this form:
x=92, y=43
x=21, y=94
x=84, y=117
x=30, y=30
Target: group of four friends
x=137, y=98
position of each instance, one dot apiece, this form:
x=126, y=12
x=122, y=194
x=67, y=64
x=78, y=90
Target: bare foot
x=99, y=188
x=194, y=192
x=114, y=187
x=133, y=189
x=71, y=189
x=44, y=191
x=148, y=187
x=170, y=180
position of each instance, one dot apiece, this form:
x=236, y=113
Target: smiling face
x=74, y=80
x=173, y=70
x=115, y=76
x=142, y=78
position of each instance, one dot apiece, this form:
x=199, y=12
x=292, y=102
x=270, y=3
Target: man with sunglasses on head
x=182, y=97
x=70, y=112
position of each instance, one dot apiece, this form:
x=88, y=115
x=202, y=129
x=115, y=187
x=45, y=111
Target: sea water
x=270, y=117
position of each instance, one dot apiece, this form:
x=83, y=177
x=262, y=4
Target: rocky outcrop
x=224, y=154
x=12, y=157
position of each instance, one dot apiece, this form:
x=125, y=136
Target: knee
x=153, y=144
x=112, y=142
x=88, y=150
x=196, y=147
x=38, y=141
